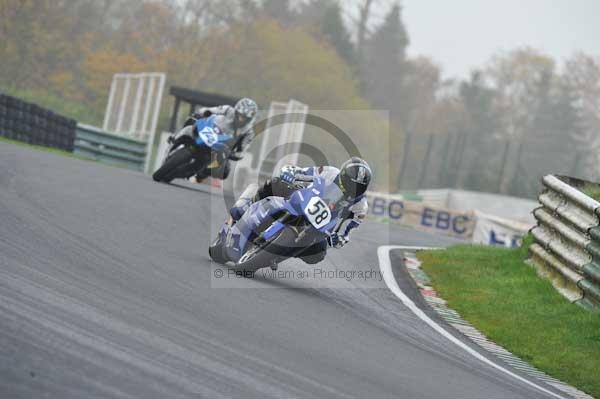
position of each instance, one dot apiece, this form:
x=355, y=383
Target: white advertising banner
x=474, y=226
x=492, y=230
x=394, y=209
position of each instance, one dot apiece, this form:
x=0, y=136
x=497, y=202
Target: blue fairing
x=209, y=134
x=236, y=237
x=274, y=229
x=330, y=193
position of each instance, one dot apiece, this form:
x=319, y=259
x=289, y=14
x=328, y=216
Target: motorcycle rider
x=237, y=121
x=353, y=179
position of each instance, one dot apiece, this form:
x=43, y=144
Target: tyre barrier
x=32, y=124
x=567, y=240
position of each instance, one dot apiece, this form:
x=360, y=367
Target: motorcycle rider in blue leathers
x=237, y=121
x=353, y=178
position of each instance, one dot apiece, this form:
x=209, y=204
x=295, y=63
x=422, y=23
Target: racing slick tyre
x=268, y=254
x=216, y=251
x=168, y=171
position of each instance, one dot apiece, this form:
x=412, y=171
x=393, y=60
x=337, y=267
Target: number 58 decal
x=318, y=213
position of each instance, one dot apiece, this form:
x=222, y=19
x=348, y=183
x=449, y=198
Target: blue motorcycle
x=276, y=228
x=200, y=146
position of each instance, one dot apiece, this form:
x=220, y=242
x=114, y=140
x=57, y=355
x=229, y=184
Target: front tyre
x=168, y=171
x=271, y=253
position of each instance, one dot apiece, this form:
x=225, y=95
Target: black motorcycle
x=201, y=147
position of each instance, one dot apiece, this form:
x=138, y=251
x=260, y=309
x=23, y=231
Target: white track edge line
x=385, y=265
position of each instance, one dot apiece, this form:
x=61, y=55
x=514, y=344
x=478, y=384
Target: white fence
x=134, y=106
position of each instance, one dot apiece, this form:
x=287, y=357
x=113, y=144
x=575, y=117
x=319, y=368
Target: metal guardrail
x=567, y=241
x=93, y=143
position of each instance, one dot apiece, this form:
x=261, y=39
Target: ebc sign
x=379, y=206
x=444, y=220
x=415, y=214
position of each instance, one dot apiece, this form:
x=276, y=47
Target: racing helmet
x=245, y=111
x=354, y=178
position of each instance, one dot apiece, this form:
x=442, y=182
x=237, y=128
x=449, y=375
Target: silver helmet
x=245, y=111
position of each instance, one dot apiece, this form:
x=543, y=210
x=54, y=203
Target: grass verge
x=505, y=299
x=42, y=148
x=592, y=191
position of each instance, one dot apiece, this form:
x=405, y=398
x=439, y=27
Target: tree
x=522, y=79
x=267, y=61
x=478, y=130
x=326, y=17
x=417, y=96
x=479, y=99
x=581, y=82
x=364, y=11
x=278, y=9
x=386, y=53
x=382, y=71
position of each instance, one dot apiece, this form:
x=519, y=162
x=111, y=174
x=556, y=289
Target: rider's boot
x=243, y=203
x=200, y=177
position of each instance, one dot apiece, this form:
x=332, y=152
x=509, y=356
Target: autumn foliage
x=71, y=49
x=63, y=54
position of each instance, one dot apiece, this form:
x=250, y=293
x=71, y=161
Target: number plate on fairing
x=318, y=213
x=209, y=136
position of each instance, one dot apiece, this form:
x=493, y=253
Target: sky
x=463, y=34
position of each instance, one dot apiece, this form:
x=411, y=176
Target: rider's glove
x=287, y=177
x=202, y=113
x=337, y=241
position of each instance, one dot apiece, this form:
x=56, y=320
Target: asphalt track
x=106, y=291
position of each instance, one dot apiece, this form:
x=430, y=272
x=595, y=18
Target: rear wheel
x=216, y=251
x=169, y=170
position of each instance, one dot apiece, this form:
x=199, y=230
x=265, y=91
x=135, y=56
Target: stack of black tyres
x=30, y=123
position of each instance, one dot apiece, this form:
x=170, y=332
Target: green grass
x=505, y=299
x=592, y=191
x=42, y=148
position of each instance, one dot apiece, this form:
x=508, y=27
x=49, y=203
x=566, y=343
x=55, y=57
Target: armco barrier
x=30, y=123
x=567, y=240
x=93, y=143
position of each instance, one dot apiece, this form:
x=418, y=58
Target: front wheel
x=270, y=253
x=168, y=171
